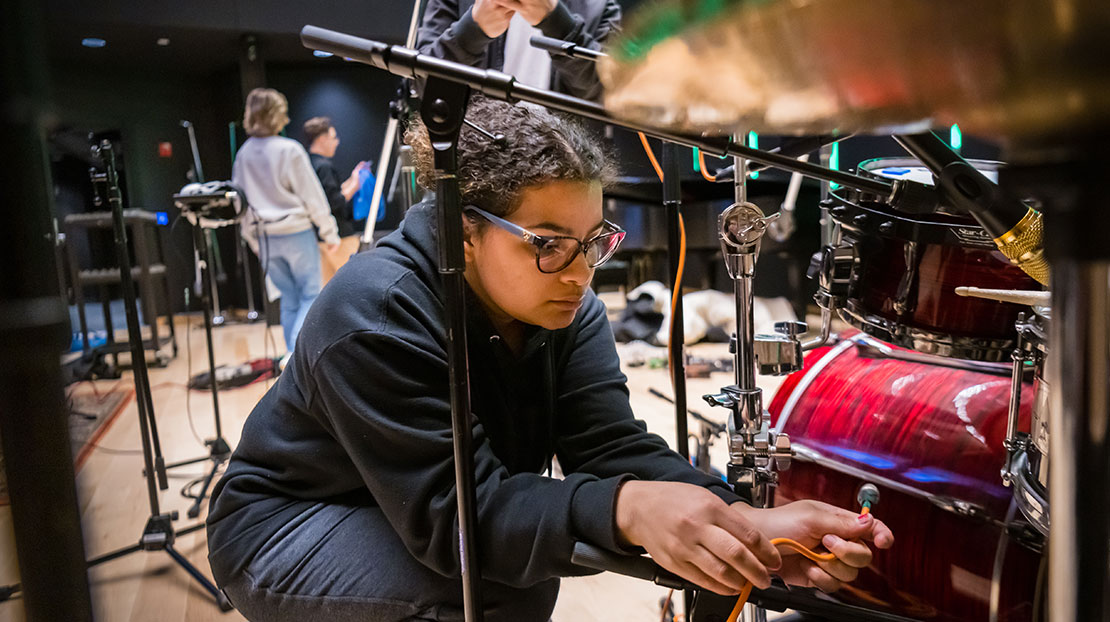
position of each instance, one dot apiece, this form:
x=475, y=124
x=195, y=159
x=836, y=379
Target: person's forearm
x=349, y=188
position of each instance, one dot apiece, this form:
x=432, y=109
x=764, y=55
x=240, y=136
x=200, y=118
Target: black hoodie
x=362, y=416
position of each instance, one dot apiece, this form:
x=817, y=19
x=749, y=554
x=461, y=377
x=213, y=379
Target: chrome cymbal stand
x=756, y=453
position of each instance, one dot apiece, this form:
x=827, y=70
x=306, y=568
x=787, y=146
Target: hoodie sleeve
x=578, y=76
x=384, y=394
x=305, y=184
x=597, y=433
x=446, y=34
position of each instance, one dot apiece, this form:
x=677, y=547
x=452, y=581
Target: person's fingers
x=846, y=524
x=854, y=554
x=839, y=570
x=819, y=578
x=740, y=565
x=694, y=574
x=853, y=526
x=732, y=521
x=881, y=535
x=721, y=571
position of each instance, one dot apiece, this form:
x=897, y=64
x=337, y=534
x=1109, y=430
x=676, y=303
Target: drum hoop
x=867, y=169
x=864, y=170
x=952, y=505
x=1031, y=497
x=925, y=341
x=864, y=218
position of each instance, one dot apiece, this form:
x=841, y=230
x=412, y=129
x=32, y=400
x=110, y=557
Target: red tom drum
x=930, y=437
x=906, y=268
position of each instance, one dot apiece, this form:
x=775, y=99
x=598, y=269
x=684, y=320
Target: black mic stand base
x=219, y=452
x=159, y=535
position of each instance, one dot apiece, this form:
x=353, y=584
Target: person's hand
x=813, y=523
x=533, y=11
x=361, y=166
x=331, y=248
x=693, y=533
x=492, y=16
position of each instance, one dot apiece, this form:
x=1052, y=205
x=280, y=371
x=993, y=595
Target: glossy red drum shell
x=904, y=274
x=929, y=301
x=928, y=436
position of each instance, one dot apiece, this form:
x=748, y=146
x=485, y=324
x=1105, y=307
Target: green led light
x=753, y=142
x=956, y=137
x=232, y=139
x=834, y=163
x=697, y=165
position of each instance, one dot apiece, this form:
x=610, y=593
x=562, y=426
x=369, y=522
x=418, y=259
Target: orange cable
x=651, y=156
x=704, y=171
x=677, y=289
x=787, y=542
x=681, y=254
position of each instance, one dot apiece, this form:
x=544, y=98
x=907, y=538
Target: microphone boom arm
x=409, y=63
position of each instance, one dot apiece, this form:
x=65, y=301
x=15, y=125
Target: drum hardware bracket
x=756, y=452
x=781, y=353
x=1016, y=441
x=832, y=267
x=1026, y=535
x=962, y=508
x=913, y=197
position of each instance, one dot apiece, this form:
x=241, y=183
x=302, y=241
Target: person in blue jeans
x=286, y=201
x=292, y=261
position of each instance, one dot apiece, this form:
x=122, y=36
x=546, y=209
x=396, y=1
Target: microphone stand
x=564, y=48
x=159, y=533
x=672, y=203
x=218, y=449
x=442, y=110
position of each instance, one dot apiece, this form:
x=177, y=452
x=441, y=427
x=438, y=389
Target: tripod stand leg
x=107, y=557
x=194, y=510
x=221, y=599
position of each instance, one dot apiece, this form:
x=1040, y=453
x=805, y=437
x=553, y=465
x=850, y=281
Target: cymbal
x=1004, y=68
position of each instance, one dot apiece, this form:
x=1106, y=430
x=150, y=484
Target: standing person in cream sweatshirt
x=286, y=200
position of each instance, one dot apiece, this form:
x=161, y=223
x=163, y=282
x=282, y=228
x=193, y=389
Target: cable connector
x=868, y=497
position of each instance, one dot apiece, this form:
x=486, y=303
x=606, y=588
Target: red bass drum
x=928, y=432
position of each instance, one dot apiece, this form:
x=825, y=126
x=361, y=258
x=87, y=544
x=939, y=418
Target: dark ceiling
x=205, y=35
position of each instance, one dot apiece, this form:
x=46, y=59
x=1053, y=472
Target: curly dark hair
x=539, y=147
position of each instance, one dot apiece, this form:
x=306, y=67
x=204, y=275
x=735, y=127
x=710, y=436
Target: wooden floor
x=149, y=586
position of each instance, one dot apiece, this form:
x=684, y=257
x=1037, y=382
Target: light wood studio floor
x=149, y=586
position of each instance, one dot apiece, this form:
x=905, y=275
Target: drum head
x=910, y=169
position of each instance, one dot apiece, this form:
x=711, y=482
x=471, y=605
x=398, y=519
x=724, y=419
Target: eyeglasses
x=555, y=252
